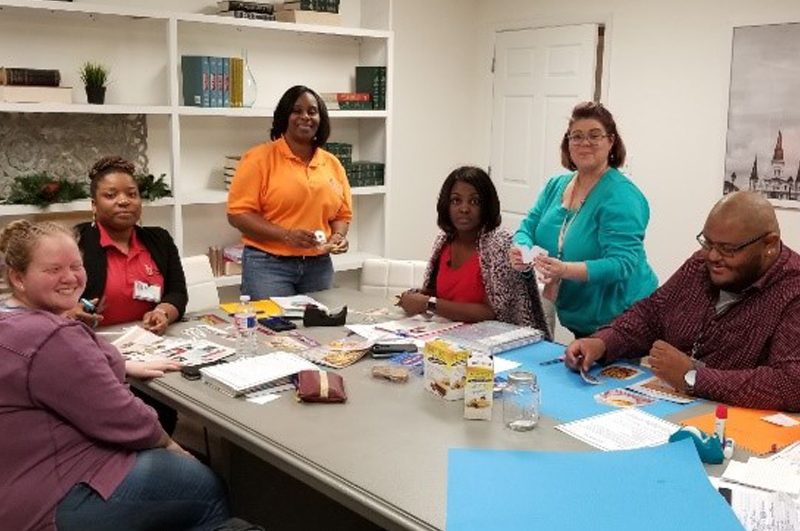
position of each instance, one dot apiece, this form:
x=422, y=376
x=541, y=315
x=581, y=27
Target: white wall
x=668, y=73
x=435, y=113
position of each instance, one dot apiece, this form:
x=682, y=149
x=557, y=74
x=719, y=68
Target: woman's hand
x=338, y=243
x=549, y=268
x=146, y=370
x=413, y=302
x=79, y=313
x=156, y=321
x=300, y=238
x=515, y=256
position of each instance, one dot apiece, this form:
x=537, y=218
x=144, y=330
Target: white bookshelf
x=143, y=48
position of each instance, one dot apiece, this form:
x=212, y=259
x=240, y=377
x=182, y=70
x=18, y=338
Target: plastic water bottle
x=245, y=322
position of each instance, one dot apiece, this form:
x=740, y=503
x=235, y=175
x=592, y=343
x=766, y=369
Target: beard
x=744, y=277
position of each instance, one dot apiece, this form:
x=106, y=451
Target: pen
x=87, y=305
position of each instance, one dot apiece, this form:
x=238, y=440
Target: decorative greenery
x=94, y=74
x=41, y=190
x=151, y=188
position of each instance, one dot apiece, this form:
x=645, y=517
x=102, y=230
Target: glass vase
x=250, y=87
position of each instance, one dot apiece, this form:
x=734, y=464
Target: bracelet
x=162, y=311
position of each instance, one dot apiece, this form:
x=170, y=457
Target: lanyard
x=708, y=326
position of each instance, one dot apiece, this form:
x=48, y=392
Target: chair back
x=391, y=277
x=200, y=283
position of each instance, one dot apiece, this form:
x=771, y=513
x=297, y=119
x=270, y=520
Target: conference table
x=382, y=455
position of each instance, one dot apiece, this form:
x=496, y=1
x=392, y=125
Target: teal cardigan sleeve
x=525, y=234
x=622, y=220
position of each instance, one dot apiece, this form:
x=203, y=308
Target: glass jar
x=521, y=401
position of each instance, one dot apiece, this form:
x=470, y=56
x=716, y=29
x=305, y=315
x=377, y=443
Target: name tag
x=143, y=291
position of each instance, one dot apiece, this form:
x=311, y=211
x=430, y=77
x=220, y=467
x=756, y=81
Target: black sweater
x=161, y=247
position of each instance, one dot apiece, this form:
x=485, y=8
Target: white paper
x=529, y=254
x=758, y=510
x=264, y=398
x=295, y=305
x=781, y=420
x=790, y=454
x=373, y=333
x=624, y=429
x=764, y=474
x=503, y=365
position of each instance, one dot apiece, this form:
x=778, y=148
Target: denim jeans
x=266, y=275
x=163, y=491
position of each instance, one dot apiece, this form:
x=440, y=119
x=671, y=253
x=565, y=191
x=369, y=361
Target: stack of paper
x=295, y=306
x=137, y=344
x=764, y=474
x=251, y=374
x=419, y=326
x=624, y=429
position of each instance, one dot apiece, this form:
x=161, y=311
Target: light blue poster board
x=565, y=396
x=664, y=488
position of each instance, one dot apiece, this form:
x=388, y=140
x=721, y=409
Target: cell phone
x=192, y=372
x=277, y=324
x=387, y=350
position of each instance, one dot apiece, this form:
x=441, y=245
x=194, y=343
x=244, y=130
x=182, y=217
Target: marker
x=719, y=423
x=87, y=305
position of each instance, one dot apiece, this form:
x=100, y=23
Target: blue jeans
x=266, y=275
x=163, y=491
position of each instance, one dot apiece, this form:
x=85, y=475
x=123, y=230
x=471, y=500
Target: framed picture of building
x=763, y=143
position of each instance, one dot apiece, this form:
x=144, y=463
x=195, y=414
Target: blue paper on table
x=653, y=489
x=565, y=396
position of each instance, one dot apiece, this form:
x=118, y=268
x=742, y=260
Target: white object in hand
x=320, y=237
x=529, y=254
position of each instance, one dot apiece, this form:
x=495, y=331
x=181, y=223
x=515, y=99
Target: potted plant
x=94, y=77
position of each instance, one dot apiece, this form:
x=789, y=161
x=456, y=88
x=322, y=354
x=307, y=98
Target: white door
x=539, y=75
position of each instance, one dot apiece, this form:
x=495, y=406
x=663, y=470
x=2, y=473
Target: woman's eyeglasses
x=579, y=138
x=726, y=249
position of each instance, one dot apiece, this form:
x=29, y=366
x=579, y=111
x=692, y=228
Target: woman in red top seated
x=468, y=277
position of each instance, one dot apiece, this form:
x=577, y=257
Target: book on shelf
x=37, y=94
x=345, y=96
x=254, y=7
x=30, y=76
x=372, y=79
x=237, y=81
x=246, y=375
x=196, y=80
x=226, y=81
x=249, y=15
x=329, y=6
x=309, y=17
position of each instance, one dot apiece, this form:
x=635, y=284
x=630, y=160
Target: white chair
x=200, y=283
x=391, y=277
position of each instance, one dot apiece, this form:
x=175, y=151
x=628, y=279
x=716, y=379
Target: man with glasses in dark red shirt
x=726, y=325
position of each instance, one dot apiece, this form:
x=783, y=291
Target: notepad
x=251, y=374
x=764, y=474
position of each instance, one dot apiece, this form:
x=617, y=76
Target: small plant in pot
x=94, y=77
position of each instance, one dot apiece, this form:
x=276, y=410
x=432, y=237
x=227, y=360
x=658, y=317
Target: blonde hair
x=19, y=238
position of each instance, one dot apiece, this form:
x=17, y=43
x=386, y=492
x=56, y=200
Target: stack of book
x=365, y=173
x=248, y=10
x=231, y=162
x=347, y=101
x=32, y=85
x=212, y=81
x=342, y=151
x=372, y=79
x=325, y=12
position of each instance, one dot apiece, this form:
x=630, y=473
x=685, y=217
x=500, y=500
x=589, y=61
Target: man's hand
x=145, y=370
x=670, y=364
x=582, y=353
x=413, y=302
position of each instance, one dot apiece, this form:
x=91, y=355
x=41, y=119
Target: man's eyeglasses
x=725, y=249
x=579, y=138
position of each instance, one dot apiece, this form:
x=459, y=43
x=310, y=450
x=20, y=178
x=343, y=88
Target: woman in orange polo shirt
x=283, y=193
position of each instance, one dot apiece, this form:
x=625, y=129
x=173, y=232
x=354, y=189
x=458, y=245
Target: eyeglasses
x=725, y=249
x=593, y=138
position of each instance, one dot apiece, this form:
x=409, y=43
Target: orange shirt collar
x=286, y=151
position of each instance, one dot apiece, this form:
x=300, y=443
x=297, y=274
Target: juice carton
x=479, y=387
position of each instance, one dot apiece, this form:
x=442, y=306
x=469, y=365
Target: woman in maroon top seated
x=79, y=451
x=469, y=278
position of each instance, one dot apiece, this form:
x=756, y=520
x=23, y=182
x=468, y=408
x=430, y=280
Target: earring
x=94, y=218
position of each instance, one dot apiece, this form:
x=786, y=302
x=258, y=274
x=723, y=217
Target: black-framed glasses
x=593, y=138
x=726, y=249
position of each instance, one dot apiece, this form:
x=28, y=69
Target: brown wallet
x=320, y=386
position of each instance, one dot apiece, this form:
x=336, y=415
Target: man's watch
x=432, y=304
x=689, y=379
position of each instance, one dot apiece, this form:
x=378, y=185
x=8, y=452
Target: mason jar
x=521, y=401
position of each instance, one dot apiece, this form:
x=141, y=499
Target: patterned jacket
x=514, y=297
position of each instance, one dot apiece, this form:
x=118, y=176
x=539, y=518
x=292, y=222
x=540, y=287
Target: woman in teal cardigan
x=592, y=222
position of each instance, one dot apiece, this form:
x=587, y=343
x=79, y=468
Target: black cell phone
x=192, y=372
x=277, y=324
x=387, y=350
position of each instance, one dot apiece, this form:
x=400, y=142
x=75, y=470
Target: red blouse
x=464, y=284
x=123, y=270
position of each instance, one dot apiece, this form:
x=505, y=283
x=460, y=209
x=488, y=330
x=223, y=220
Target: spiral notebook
x=255, y=373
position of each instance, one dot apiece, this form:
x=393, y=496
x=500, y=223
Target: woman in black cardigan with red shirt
x=134, y=273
